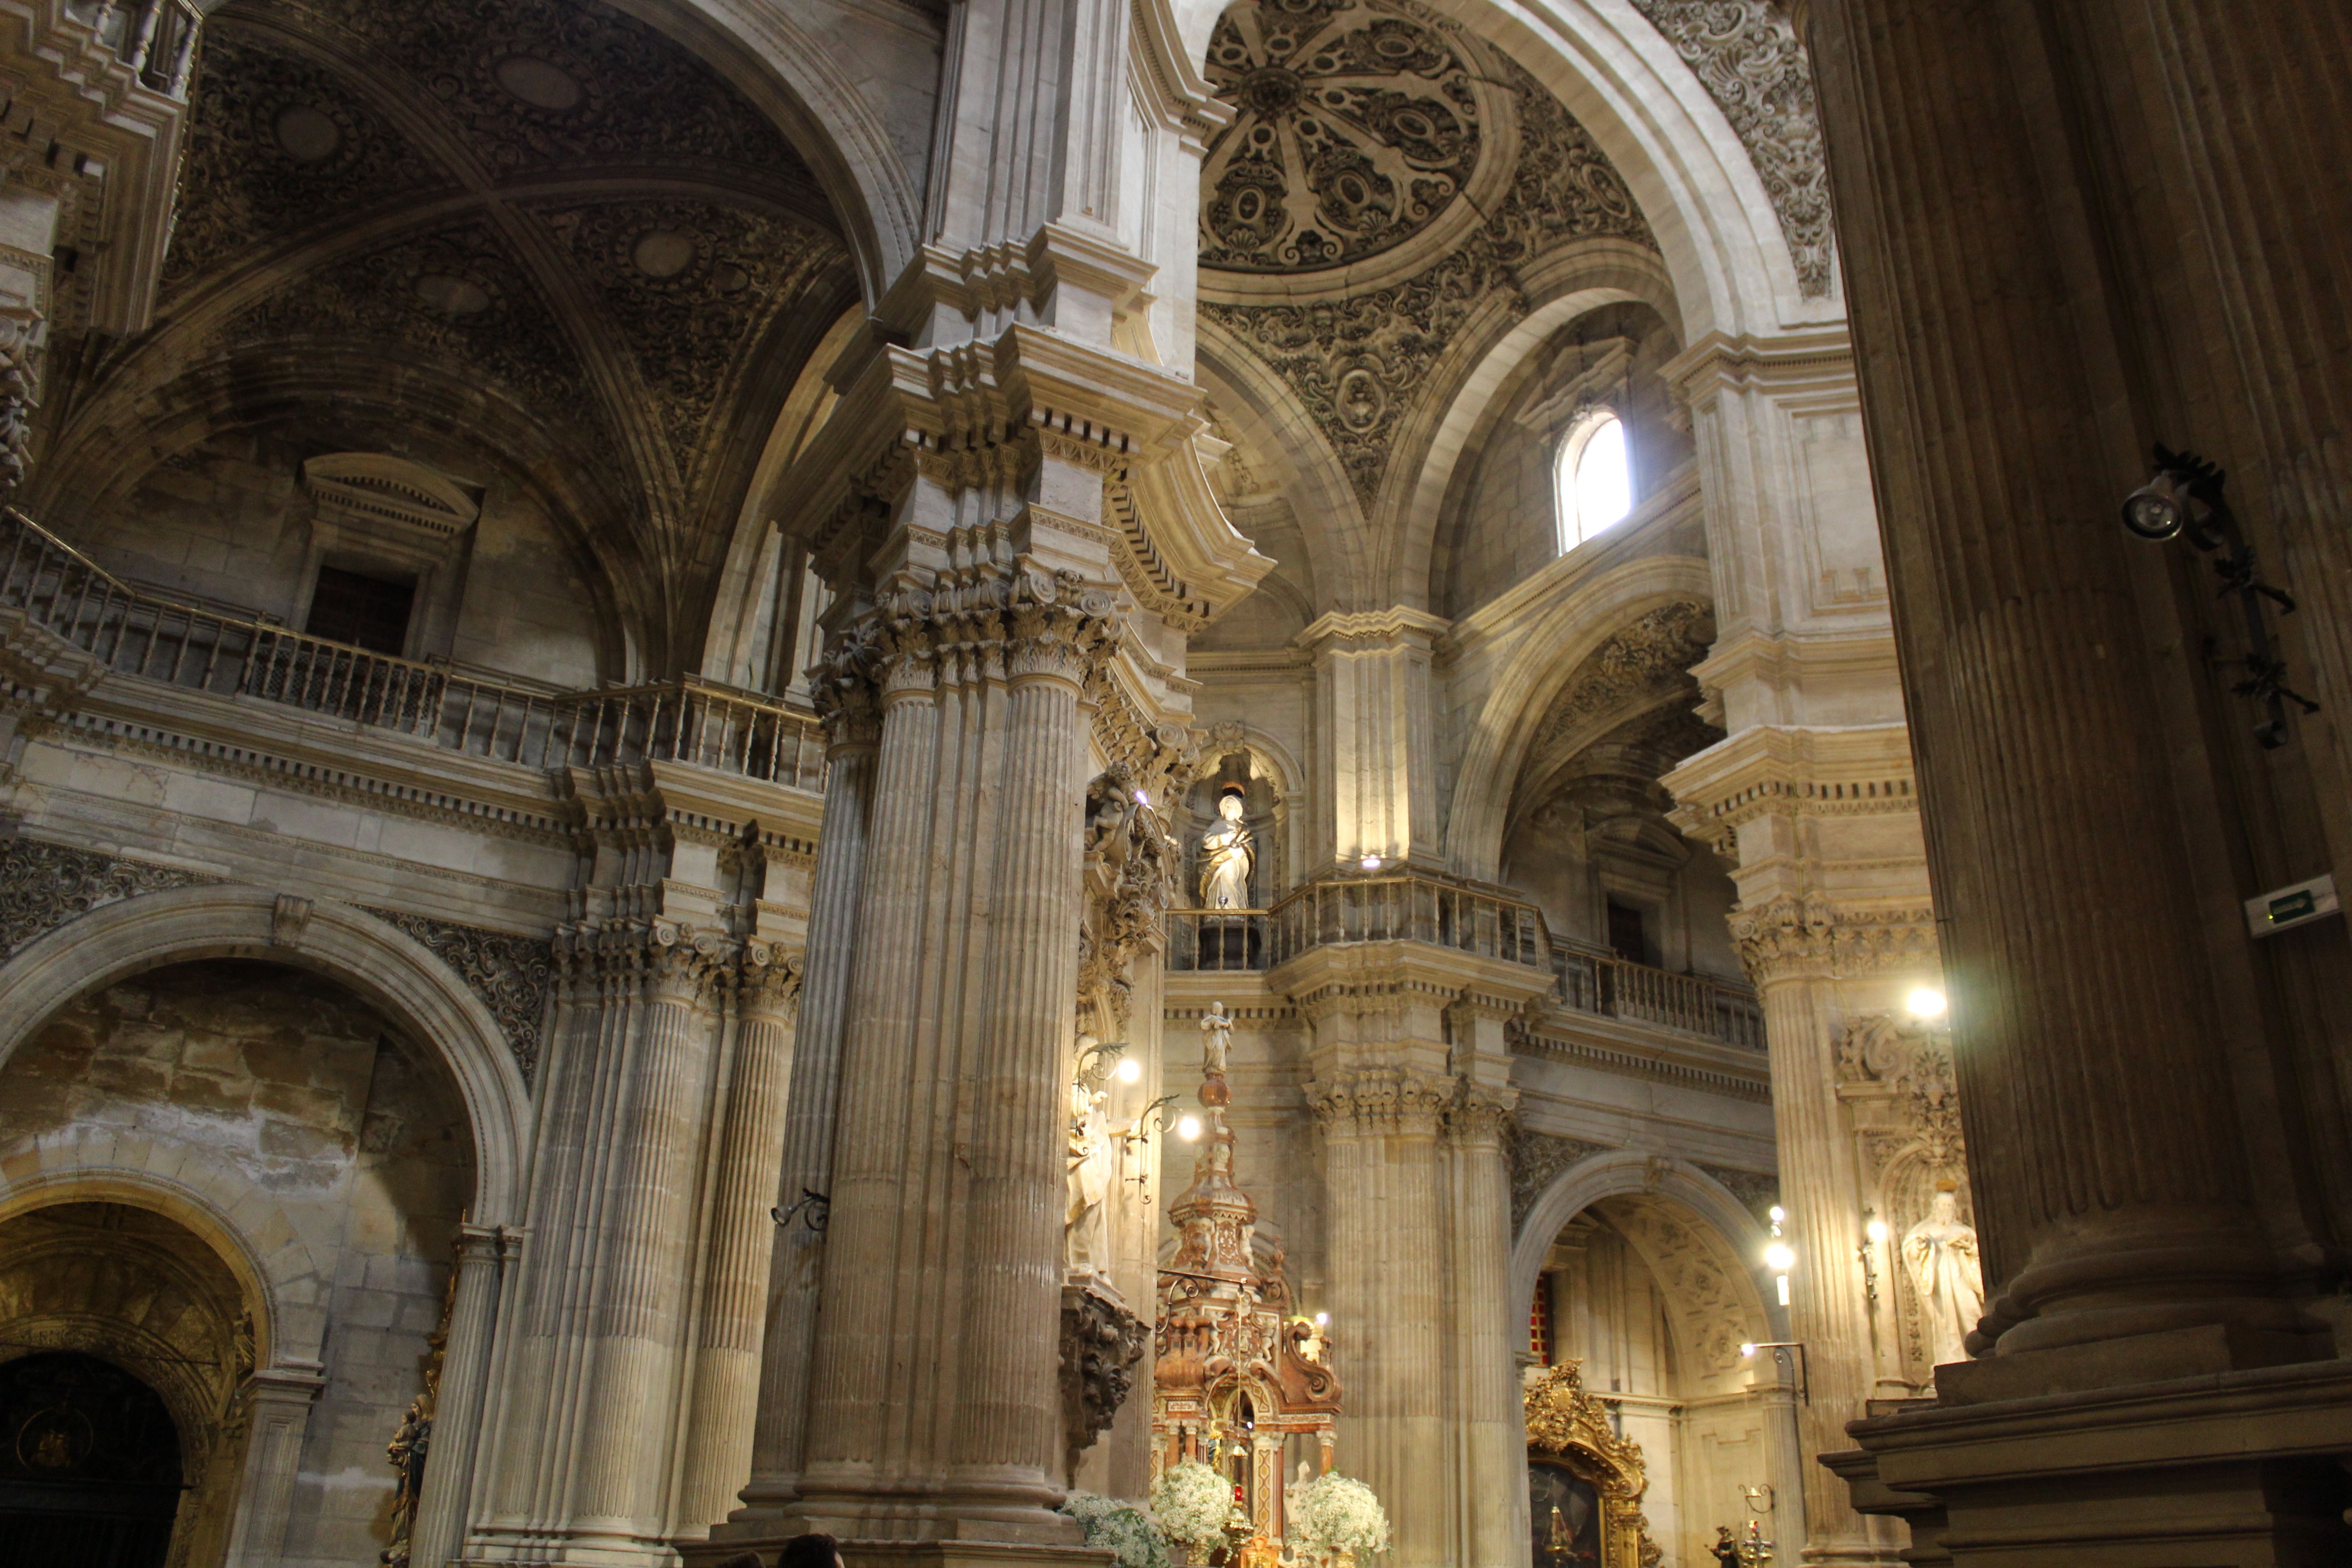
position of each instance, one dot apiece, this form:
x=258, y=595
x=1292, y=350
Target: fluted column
x=854, y=727
x=2109, y=1159
x=934, y=1407
x=1009, y=1432
x=642, y=1274
x=1489, y=1410
x=1387, y=1190
x=457, y=1401
x=735, y=1292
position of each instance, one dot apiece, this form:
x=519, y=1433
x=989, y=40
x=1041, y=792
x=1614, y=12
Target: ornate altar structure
x=1238, y=1373
x=1584, y=1481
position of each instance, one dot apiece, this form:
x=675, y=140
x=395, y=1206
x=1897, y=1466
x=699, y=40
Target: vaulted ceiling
x=537, y=229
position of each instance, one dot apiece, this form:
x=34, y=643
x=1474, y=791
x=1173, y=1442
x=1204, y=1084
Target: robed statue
x=1940, y=1255
x=1228, y=855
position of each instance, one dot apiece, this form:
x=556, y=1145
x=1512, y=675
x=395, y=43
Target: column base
x=856, y=1553
x=2228, y=1469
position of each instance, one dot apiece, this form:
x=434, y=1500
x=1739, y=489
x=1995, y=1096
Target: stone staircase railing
x=136, y=633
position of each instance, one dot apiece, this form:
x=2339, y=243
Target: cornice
x=1397, y=624
x=1629, y=1052
x=1785, y=658
x=1776, y=769
x=1817, y=358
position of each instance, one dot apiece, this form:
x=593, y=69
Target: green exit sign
x=2294, y=906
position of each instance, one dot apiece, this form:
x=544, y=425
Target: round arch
x=1626, y=1173
x=385, y=967
x=1535, y=672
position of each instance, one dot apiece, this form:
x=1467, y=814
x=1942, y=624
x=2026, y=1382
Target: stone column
x=854, y=727
x=1486, y=1395
x=458, y=1403
x=2074, y=232
x=277, y=1409
x=735, y=1288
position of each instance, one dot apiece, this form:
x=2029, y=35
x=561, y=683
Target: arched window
x=1596, y=482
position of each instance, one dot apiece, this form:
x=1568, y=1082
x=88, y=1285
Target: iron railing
x=155, y=637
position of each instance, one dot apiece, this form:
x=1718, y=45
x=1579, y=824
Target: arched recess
x=381, y=965
x=1630, y=1174
x=1560, y=287
x=1537, y=669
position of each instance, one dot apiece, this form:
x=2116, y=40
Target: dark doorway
x=367, y=612
x=1629, y=935
x=89, y=1465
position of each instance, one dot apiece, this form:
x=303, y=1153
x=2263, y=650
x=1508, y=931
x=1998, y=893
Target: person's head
x=810, y=1551
x=1231, y=805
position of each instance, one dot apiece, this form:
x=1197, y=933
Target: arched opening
x=1595, y=479
x=89, y=1472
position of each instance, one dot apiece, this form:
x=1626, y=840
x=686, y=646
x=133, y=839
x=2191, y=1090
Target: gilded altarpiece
x=1584, y=1481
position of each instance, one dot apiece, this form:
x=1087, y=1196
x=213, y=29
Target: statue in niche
x=1940, y=1253
x=1086, y=1227
x=1216, y=1039
x=1228, y=855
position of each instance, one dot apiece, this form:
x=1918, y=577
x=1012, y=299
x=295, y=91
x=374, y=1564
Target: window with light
x=1596, y=482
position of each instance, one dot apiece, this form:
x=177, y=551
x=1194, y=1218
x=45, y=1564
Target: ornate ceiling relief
x=458, y=295
x=692, y=286
x=1379, y=144
x=1748, y=55
x=276, y=143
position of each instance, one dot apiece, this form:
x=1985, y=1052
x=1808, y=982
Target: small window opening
x=1596, y=480
x=368, y=612
x=1629, y=935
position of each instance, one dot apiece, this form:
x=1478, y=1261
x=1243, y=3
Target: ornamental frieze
x=43, y=886
x=509, y=975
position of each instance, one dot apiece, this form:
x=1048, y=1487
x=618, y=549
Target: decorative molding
x=1748, y=55
x=1913, y=1062
x=1758, y=1190
x=43, y=886
x=1371, y=1102
x=509, y=973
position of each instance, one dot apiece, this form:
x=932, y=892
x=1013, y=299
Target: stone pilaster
x=274, y=1407
x=847, y=699
x=761, y=989
x=484, y=1255
x=1374, y=749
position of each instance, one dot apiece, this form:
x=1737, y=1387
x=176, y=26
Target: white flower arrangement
x=1122, y=1529
x=1335, y=1513
x=1191, y=1503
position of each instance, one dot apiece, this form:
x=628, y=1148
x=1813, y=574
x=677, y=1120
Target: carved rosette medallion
x=1356, y=126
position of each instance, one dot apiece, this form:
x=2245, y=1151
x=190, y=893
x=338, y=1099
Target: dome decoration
x=1357, y=127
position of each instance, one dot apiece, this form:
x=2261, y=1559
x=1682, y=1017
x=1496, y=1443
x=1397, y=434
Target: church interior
x=1175, y=783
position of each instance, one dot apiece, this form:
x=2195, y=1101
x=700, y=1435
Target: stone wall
x=354, y=1136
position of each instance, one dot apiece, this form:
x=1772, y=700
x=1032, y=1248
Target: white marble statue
x=1228, y=855
x=1093, y=1153
x=1940, y=1253
x=1216, y=1039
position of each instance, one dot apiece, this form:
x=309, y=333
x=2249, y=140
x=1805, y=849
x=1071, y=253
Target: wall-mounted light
x=1130, y=1070
x=1876, y=1231
x=1370, y=862
x=1141, y=798
x=1925, y=1002
x=1789, y=1353
x=1322, y=1320
x=1189, y=1129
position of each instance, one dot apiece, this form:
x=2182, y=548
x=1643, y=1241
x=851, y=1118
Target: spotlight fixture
x=1189, y=1129
x=1876, y=1231
x=2184, y=497
x=1129, y=1069
x=1779, y=1257
x=1926, y=1002
x=1370, y=862
x=1322, y=1320
x=1778, y=1213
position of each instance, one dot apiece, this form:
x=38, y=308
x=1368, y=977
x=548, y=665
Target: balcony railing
x=157, y=638
x=1613, y=987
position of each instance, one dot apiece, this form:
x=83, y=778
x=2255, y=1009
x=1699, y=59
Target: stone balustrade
x=129, y=631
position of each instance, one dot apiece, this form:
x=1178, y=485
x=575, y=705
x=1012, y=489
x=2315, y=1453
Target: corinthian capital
x=1368, y=1103
x=1791, y=936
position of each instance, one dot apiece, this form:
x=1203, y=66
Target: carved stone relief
x=1536, y=1159
x=1748, y=57
x=43, y=886
x=509, y=973
x=1102, y=1343
x=1358, y=361
x=1656, y=651
x=1758, y=1190
x=1693, y=1276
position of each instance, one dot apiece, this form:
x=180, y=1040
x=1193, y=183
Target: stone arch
x=1722, y=1220
x=1534, y=672
x=381, y=965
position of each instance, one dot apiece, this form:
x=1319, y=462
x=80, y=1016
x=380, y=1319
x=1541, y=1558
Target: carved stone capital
x=1792, y=936
x=1378, y=1102
x=1480, y=1115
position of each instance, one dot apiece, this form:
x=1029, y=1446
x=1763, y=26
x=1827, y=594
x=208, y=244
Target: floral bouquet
x=1122, y=1529
x=1191, y=1502
x=1335, y=1513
